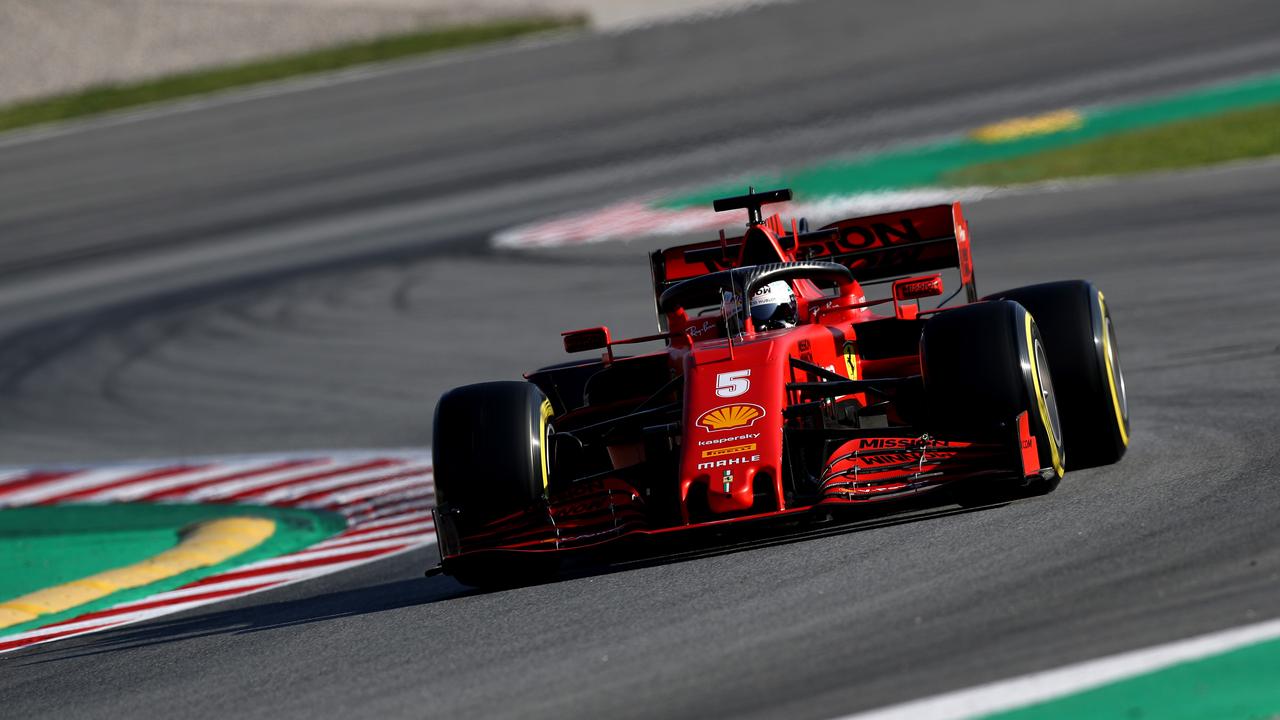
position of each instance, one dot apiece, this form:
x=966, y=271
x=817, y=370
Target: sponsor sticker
x=731, y=438
x=697, y=331
x=878, y=443
x=710, y=464
x=899, y=442
x=729, y=450
x=730, y=417
x=851, y=360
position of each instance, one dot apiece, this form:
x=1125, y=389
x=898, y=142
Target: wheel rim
x=1047, y=395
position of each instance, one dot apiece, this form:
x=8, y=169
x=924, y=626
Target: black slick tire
x=490, y=453
x=1080, y=338
x=983, y=365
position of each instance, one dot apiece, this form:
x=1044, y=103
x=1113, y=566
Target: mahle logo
x=711, y=464
x=730, y=417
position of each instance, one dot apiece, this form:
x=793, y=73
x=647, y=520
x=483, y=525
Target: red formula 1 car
x=786, y=389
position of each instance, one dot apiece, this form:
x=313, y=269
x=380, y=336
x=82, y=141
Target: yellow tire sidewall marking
x=546, y=412
x=1054, y=453
x=1107, y=354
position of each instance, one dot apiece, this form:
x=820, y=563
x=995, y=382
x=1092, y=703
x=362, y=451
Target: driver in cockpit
x=773, y=307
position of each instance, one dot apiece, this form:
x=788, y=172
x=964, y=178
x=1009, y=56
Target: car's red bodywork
x=732, y=426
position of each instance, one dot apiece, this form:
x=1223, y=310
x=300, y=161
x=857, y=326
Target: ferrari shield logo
x=851, y=360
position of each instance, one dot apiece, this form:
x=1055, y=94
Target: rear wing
x=897, y=244
x=875, y=248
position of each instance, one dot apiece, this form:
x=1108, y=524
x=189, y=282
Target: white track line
x=1038, y=687
x=297, y=490
x=417, y=504
x=79, y=480
x=408, y=531
x=7, y=475
x=343, y=497
x=390, y=520
x=378, y=507
x=425, y=502
x=269, y=579
x=215, y=491
x=136, y=490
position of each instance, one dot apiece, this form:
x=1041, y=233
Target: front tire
x=490, y=452
x=1081, y=341
x=982, y=366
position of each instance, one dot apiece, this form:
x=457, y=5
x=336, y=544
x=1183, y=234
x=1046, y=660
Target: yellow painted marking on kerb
x=1021, y=127
x=208, y=544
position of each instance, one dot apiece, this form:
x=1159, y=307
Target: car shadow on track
x=290, y=612
x=757, y=540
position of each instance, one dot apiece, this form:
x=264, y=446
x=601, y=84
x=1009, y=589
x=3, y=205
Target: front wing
x=863, y=472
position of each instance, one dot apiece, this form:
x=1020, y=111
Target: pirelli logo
x=733, y=450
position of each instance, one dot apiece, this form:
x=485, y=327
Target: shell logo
x=731, y=417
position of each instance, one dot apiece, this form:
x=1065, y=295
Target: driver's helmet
x=773, y=307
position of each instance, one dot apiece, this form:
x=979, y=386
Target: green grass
x=114, y=97
x=1204, y=141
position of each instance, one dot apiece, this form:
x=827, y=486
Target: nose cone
x=733, y=421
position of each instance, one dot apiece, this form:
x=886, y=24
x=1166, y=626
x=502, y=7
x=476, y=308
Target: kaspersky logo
x=729, y=439
x=730, y=417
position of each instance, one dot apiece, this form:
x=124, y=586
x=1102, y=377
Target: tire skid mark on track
x=386, y=497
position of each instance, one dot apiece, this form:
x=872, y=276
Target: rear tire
x=983, y=365
x=490, y=453
x=1080, y=339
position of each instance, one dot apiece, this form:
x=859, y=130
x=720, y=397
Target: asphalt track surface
x=275, y=274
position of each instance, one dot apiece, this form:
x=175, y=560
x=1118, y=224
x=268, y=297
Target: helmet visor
x=773, y=307
x=771, y=316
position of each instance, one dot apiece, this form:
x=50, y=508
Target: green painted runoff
x=938, y=163
x=49, y=545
